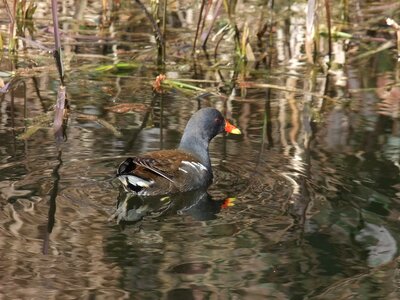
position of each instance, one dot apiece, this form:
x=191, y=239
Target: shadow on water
x=198, y=204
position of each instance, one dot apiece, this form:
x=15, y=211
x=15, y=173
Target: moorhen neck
x=184, y=169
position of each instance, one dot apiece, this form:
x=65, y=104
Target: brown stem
x=203, y=2
x=156, y=29
x=328, y=24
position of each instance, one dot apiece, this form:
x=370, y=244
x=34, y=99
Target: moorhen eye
x=218, y=121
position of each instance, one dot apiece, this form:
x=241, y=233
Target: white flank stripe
x=180, y=169
x=189, y=164
x=198, y=166
x=201, y=166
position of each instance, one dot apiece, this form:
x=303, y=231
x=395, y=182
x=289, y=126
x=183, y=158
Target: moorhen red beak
x=184, y=169
x=230, y=128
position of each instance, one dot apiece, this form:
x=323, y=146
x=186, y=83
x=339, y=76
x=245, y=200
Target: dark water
x=305, y=203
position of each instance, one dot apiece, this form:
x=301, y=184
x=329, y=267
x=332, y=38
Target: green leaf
x=104, y=68
x=181, y=85
x=121, y=66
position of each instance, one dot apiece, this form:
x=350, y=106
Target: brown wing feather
x=165, y=163
x=150, y=164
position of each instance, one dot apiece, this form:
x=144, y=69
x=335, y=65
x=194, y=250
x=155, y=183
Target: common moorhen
x=184, y=169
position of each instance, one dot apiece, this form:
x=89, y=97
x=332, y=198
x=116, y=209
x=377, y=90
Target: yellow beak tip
x=236, y=131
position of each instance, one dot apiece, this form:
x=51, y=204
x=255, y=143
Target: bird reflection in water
x=198, y=204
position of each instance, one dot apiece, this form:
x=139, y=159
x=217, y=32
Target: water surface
x=305, y=203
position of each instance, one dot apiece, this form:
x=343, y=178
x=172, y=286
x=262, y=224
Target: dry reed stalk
x=395, y=26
